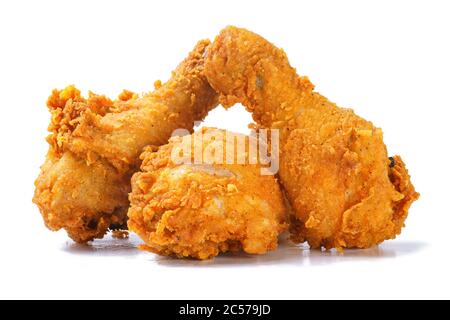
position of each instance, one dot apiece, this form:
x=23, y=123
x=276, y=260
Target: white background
x=389, y=60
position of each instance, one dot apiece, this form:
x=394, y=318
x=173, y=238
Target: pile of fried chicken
x=111, y=166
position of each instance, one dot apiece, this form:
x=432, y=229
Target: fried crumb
x=120, y=234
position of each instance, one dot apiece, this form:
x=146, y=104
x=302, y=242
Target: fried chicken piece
x=343, y=189
x=95, y=144
x=184, y=209
x=118, y=130
x=86, y=200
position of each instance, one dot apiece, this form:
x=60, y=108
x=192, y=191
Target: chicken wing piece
x=344, y=190
x=201, y=208
x=95, y=144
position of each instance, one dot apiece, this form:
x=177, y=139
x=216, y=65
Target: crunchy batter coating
x=200, y=210
x=86, y=200
x=334, y=167
x=95, y=144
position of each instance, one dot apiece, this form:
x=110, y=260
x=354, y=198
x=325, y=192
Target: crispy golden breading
x=86, y=200
x=334, y=167
x=95, y=144
x=200, y=210
x=118, y=130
